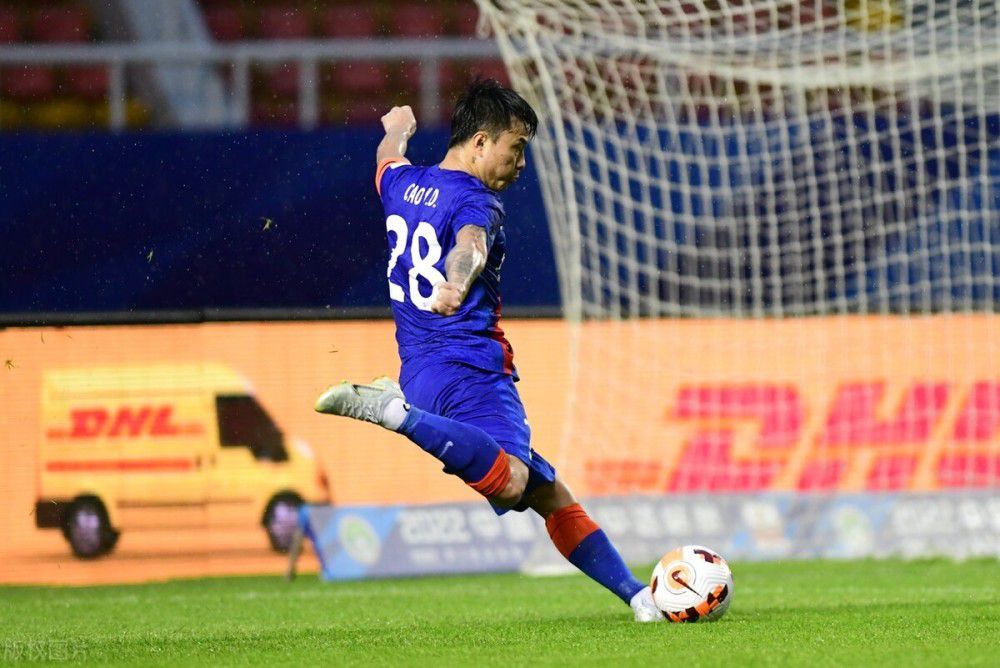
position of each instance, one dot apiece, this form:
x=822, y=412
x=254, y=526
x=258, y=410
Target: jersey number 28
x=423, y=264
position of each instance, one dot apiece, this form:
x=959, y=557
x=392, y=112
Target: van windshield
x=244, y=423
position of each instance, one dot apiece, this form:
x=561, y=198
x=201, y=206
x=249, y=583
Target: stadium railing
x=241, y=57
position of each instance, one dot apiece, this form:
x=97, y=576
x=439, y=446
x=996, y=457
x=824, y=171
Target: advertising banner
x=822, y=404
x=187, y=448
x=182, y=446
x=385, y=541
x=367, y=542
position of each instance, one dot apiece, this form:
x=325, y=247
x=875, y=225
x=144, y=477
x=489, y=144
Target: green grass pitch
x=791, y=613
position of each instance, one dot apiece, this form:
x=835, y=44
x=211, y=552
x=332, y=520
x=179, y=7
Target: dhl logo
x=868, y=436
x=123, y=422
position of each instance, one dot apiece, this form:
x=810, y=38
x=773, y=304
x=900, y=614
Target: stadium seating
x=68, y=96
x=282, y=80
x=466, y=19
x=10, y=26
x=89, y=82
x=350, y=91
x=365, y=110
x=61, y=24
x=284, y=22
x=354, y=20
x=358, y=77
x=489, y=69
x=226, y=23
x=54, y=97
x=417, y=20
x=28, y=83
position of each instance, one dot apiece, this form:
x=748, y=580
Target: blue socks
x=587, y=547
x=473, y=455
x=465, y=450
x=599, y=559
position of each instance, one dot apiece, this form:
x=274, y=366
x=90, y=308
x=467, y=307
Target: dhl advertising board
x=140, y=452
x=820, y=405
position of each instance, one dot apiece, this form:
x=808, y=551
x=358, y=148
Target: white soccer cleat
x=644, y=608
x=361, y=402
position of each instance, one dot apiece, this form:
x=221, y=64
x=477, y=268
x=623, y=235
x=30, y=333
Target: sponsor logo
x=359, y=540
x=870, y=435
x=123, y=422
x=680, y=575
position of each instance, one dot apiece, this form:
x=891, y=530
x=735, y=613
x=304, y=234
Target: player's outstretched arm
x=399, y=125
x=462, y=266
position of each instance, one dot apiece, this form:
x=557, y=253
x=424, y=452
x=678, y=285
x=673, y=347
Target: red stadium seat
x=348, y=21
x=283, y=80
x=417, y=20
x=225, y=23
x=365, y=110
x=10, y=26
x=88, y=81
x=354, y=77
x=467, y=18
x=284, y=22
x=28, y=82
x=411, y=72
x=62, y=24
x=461, y=73
x=489, y=69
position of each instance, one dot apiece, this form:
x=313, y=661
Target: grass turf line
x=929, y=612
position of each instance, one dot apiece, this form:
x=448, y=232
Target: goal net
x=777, y=229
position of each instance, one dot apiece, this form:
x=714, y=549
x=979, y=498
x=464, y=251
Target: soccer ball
x=692, y=584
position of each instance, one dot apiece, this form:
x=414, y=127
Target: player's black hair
x=489, y=105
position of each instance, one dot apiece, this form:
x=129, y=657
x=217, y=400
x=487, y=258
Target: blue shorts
x=486, y=400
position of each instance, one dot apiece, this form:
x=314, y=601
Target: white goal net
x=777, y=228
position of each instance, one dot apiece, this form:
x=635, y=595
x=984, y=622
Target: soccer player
x=458, y=401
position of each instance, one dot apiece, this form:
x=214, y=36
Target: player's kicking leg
x=466, y=451
x=475, y=457
x=585, y=545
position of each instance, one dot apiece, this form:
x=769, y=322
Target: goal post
x=777, y=230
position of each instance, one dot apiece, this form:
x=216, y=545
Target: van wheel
x=87, y=528
x=281, y=519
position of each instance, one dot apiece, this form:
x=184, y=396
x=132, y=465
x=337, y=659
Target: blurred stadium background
x=751, y=277
x=183, y=162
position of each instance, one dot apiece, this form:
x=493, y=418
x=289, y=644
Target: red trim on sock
x=496, y=478
x=568, y=527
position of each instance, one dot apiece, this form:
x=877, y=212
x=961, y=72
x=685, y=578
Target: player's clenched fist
x=400, y=119
x=447, y=298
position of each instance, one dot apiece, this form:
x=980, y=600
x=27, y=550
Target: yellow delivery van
x=165, y=447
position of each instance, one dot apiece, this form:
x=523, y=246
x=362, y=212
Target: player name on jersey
x=414, y=194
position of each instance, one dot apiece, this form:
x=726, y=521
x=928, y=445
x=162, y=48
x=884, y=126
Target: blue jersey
x=425, y=207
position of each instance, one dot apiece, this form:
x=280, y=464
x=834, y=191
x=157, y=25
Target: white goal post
x=777, y=229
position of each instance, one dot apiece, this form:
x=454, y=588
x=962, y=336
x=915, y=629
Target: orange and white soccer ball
x=692, y=584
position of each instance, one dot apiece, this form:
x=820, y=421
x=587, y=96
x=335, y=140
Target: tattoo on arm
x=468, y=258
